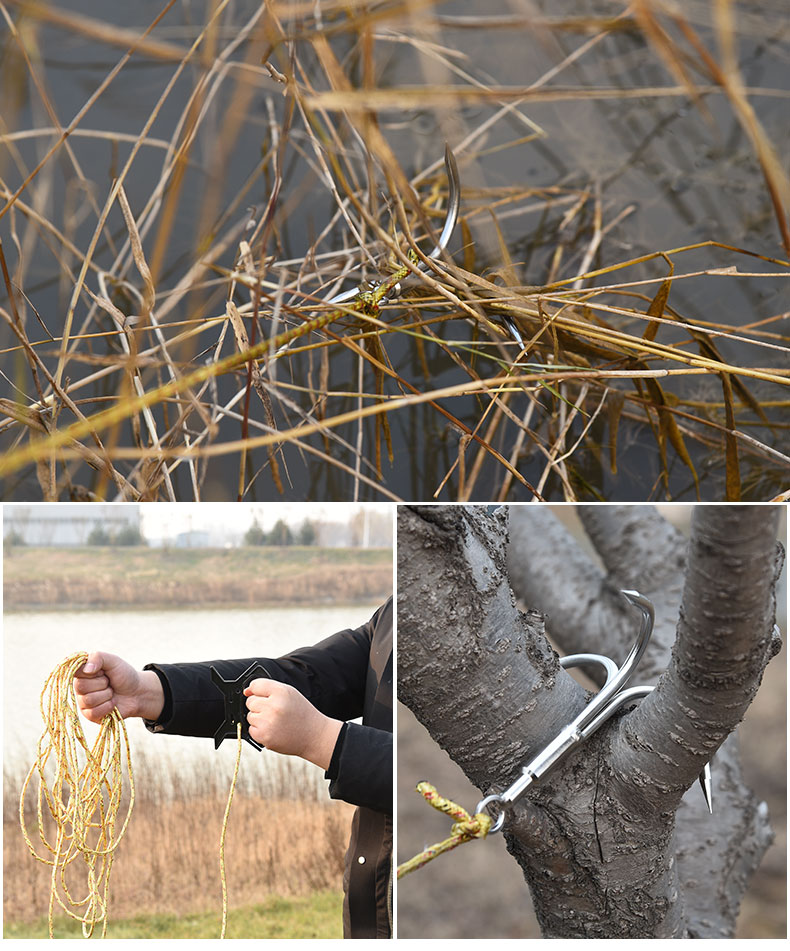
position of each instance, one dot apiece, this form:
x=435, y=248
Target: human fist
x=281, y=719
x=106, y=682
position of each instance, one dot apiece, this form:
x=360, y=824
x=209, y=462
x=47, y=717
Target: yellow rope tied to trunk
x=224, y=830
x=83, y=800
x=465, y=827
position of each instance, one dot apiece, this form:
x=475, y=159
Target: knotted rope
x=84, y=799
x=465, y=827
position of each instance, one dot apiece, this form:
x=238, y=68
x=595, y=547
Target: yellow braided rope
x=222, y=837
x=84, y=799
x=76, y=800
x=465, y=827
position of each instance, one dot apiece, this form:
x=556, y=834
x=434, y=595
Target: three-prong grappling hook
x=453, y=205
x=609, y=699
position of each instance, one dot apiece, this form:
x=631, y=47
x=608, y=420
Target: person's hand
x=105, y=682
x=281, y=719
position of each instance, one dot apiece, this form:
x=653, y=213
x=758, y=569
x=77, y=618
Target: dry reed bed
x=120, y=393
x=168, y=861
x=241, y=577
x=344, y=584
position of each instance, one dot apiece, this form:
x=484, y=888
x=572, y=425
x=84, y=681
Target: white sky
x=166, y=518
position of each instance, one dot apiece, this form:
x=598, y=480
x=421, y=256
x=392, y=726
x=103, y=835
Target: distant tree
x=12, y=540
x=280, y=534
x=358, y=529
x=255, y=535
x=128, y=536
x=307, y=533
x=370, y=529
x=99, y=536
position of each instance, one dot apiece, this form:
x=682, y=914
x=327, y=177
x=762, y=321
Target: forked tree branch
x=598, y=839
x=466, y=650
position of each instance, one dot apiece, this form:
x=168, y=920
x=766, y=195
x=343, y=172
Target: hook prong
x=453, y=206
x=706, y=782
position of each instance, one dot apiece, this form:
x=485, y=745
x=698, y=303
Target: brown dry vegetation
x=168, y=861
x=105, y=577
x=179, y=342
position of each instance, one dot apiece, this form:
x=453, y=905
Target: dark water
x=682, y=176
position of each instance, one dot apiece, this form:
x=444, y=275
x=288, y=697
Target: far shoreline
x=122, y=579
x=73, y=608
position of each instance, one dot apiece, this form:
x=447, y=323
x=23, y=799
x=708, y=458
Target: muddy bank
x=54, y=578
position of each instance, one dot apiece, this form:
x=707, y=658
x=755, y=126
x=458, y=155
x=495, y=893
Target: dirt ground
x=477, y=891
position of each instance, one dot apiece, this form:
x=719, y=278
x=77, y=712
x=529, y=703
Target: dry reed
x=141, y=385
x=84, y=578
x=168, y=861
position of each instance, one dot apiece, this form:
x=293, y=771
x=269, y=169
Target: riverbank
x=317, y=915
x=44, y=578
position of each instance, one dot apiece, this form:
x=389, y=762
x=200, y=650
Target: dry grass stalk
x=168, y=861
x=161, y=389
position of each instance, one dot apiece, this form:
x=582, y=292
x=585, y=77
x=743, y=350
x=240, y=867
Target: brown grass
x=168, y=862
x=198, y=578
x=117, y=390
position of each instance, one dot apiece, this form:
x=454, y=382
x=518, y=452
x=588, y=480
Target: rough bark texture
x=609, y=844
x=468, y=650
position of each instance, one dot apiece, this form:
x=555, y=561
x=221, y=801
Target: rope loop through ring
x=496, y=824
x=465, y=828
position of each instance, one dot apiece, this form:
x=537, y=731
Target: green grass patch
x=318, y=915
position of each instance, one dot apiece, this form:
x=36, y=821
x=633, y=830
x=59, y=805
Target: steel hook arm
x=453, y=206
x=451, y=218
x=601, y=700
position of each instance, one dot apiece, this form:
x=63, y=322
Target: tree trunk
x=608, y=841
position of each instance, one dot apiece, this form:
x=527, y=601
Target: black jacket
x=346, y=676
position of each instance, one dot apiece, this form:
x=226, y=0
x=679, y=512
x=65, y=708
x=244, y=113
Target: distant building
x=194, y=539
x=66, y=525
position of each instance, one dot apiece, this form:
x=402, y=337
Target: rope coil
x=464, y=829
x=84, y=799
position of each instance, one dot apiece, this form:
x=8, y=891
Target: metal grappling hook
x=451, y=218
x=453, y=205
x=609, y=699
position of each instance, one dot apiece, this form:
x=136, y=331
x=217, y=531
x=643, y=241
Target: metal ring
x=500, y=819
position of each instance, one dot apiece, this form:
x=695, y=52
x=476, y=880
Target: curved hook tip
x=637, y=599
x=453, y=203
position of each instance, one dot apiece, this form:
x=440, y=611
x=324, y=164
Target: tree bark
x=607, y=841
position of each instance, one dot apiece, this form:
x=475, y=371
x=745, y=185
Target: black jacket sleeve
x=330, y=674
x=361, y=768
